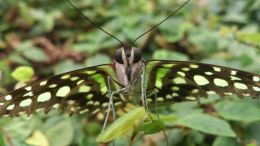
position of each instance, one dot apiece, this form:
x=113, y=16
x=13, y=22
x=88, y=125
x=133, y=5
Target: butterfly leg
x=111, y=104
x=154, y=93
x=143, y=89
x=158, y=116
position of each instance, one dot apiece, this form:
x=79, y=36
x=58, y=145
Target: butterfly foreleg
x=143, y=88
x=154, y=93
x=111, y=106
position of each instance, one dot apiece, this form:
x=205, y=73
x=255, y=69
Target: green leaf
x=92, y=128
x=59, y=131
x=48, y=23
x=23, y=73
x=37, y=138
x=153, y=126
x=168, y=118
x=123, y=125
x=175, y=137
x=97, y=60
x=25, y=13
x=238, y=111
x=66, y=66
x=249, y=38
x=2, y=139
x=208, y=124
x=19, y=128
x=225, y=141
x=252, y=131
x=165, y=54
x=35, y=54
x=175, y=35
x=251, y=144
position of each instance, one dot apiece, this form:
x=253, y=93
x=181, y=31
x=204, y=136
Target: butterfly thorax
x=128, y=66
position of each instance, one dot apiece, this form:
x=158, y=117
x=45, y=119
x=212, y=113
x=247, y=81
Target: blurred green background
x=49, y=37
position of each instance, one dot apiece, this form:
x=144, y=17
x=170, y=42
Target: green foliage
x=51, y=38
x=164, y=54
x=153, y=126
x=220, y=141
x=238, y=110
x=2, y=139
x=251, y=39
x=208, y=124
x=125, y=125
x=59, y=131
x=23, y=73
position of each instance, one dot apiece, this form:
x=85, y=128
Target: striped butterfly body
x=129, y=77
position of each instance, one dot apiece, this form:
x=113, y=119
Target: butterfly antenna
x=92, y=22
x=155, y=26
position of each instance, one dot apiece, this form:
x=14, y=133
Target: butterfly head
x=129, y=61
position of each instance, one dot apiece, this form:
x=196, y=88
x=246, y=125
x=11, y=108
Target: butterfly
x=129, y=77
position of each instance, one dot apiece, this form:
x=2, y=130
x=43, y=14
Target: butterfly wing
x=84, y=90
x=181, y=80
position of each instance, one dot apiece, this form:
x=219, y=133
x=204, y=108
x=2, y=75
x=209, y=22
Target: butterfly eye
x=118, y=56
x=137, y=56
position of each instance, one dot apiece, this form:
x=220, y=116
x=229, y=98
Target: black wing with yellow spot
x=182, y=80
x=79, y=91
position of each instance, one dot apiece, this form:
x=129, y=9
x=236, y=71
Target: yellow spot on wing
x=56, y=105
x=84, y=88
x=185, y=69
x=179, y=80
x=256, y=79
x=233, y=72
x=105, y=104
x=65, y=77
x=90, y=72
x=220, y=82
x=190, y=98
x=194, y=66
x=256, y=88
x=63, y=91
x=228, y=93
x=43, y=83
x=79, y=82
x=200, y=80
x=235, y=78
x=90, y=96
x=10, y=107
x=209, y=73
x=211, y=92
x=102, y=82
x=175, y=88
x=53, y=85
x=44, y=97
x=159, y=75
x=8, y=97
x=74, y=78
x=28, y=94
x=26, y=102
x=29, y=88
x=168, y=65
x=181, y=73
x=240, y=86
x=84, y=111
x=217, y=69
x=175, y=94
